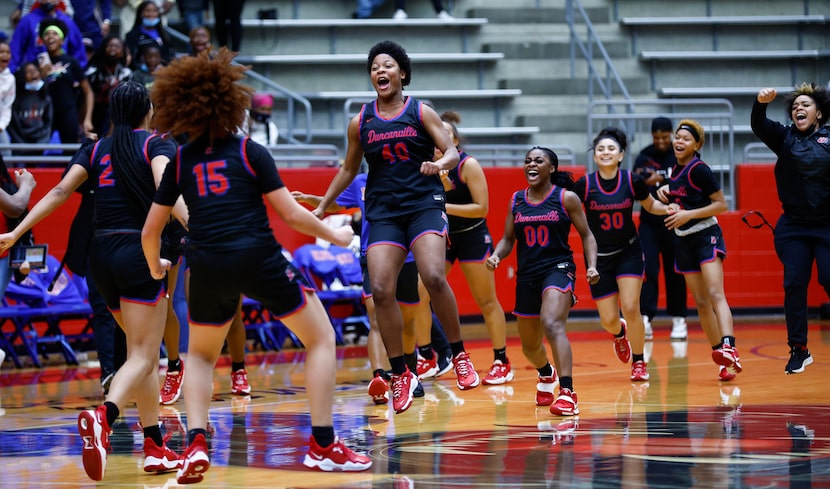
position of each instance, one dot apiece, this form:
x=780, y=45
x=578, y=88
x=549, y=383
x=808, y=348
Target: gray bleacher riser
x=316, y=40
x=425, y=76
x=552, y=49
x=660, y=8
x=740, y=73
x=504, y=14
x=731, y=38
x=567, y=86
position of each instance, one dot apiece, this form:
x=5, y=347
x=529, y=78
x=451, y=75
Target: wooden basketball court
x=681, y=429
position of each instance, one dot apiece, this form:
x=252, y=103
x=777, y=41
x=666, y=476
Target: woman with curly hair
x=124, y=168
x=405, y=204
x=223, y=178
x=698, y=242
x=802, y=173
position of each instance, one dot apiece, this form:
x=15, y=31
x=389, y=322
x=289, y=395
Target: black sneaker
x=799, y=359
x=419, y=390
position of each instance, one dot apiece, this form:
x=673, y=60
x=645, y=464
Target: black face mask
x=48, y=7
x=263, y=118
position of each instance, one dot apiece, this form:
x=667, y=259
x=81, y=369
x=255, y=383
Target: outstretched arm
x=59, y=194
x=348, y=170
x=300, y=219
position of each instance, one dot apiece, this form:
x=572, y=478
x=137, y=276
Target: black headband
x=691, y=129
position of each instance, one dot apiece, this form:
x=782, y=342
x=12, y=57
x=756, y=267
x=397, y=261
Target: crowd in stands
x=62, y=61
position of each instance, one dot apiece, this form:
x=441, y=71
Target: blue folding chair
x=321, y=268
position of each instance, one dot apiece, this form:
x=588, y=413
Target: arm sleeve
x=641, y=190
x=168, y=190
x=770, y=132
x=579, y=187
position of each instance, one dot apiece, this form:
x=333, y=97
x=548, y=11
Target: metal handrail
x=720, y=145
x=758, y=153
x=292, y=98
x=586, y=50
x=285, y=155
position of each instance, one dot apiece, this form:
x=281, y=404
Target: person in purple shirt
x=26, y=43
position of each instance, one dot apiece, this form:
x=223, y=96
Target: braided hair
x=129, y=105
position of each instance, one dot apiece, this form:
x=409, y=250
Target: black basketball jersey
x=223, y=185
x=113, y=209
x=609, y=206
x=394, y=148
x=541, y=233
x=460, y=194
x=691, y=185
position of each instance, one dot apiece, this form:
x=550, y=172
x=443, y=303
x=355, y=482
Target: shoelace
x=239, y=379
x=397, y=387
x=169, y=382
x=462, y=366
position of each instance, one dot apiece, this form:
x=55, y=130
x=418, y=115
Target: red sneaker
x=239, y=382
x=336, y=456
x=500, y=373
x=622, y=348
x=427, y=367
x=403, y=389
x=725, y=374
x=565, y=404
x=196, y=462
x=95, y=433
x=545, y=388
x=638, y=371
x=466, y=373
x=159, y=459
x=728, y=357
x=379, y=389
x=171, y=388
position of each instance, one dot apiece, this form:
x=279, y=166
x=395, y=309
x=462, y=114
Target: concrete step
x=618, y=48
x=541, y=15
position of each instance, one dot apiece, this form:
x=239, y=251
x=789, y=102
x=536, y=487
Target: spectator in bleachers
x=107, y=69
x=25, y=6
x=130, y=7
x=26, y=45
x=148, y=26
x=228, y=15
x=93, y=23
x=8, y=88
x=32, y=109
x=400, y=10
x=200, y=40
x=65, y=78
x=802, y=173
x=260, y=126
x=192, y=12
x=654, y=165
x=149, y=60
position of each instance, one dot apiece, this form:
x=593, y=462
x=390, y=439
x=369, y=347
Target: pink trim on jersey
x=460, y=169
x=245, y=161
x=178, y=165
x=550, y=192
x=302, y=304
x=599, y=186
x=386, y=243
x=152, y=302
x=691, y=167
x=94, y=151
x=360, y=118
x=405, y=105
x=562, y=202
x=443, y=233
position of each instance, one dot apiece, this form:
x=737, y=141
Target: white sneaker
x=649, y=333
x=679, y=331
x=400, y=14
x=443, y=15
